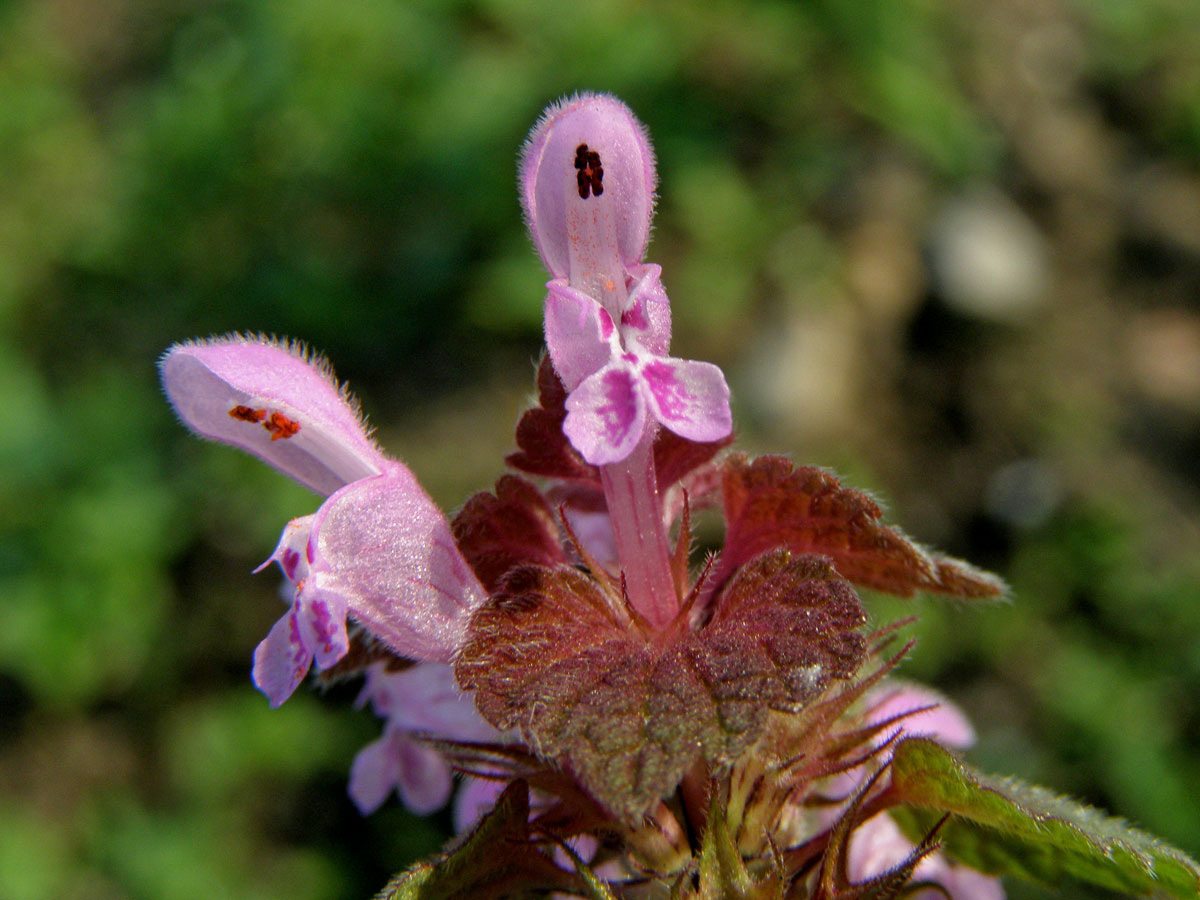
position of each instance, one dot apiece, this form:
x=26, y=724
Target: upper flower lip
x=273, y=400
x=547, y=175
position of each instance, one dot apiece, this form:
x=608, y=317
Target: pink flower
x=422, y=701
x=475, y=798
x=938, y=717
x=378, y=548
x=878, y=845
x=587, y=184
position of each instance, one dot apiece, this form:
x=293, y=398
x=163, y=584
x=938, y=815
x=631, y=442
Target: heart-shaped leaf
x=555, y=655
x=1003, y=826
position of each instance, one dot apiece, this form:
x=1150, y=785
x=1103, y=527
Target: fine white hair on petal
x=276, y=400
x=293, y=347
x=602, y=123
x=383, y=546
x=530, y=153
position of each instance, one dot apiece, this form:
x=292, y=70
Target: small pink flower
x=587, y=184
x=378, y=548
x=878, y=845
x=422, y=701
x=475, y=798
x=938, y=717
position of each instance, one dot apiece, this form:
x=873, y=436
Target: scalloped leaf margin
x=1005, y=827
x=552, y=655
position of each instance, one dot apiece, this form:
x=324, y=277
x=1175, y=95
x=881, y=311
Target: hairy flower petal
x=383, y=547
x=579, y=333
x=313, y=629
x=476, y=797
x=418, y=702
x=322, y=620
x=281, y=660
x=373, y=774
x=606, y=414
x=551, y=186
x=271, y=400
x=690, y=398
x=291, y=553
x=426, y=699
x=398, y=762
x=942, y=721
x=646, y=320
x=424, y=780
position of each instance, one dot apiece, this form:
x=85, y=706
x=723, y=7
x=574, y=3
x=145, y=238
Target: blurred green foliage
x=344, y=174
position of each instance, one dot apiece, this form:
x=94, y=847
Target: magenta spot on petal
x=620, y=408
x=635, y=316
x=629, y=357
x=300, y=656
x=289, y=562
x=606, y=324
x=671, y=395
x=322, y=624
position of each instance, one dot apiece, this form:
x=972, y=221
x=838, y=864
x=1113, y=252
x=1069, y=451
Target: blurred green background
x=951, y=250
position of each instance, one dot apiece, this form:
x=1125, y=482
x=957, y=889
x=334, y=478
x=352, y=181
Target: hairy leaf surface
x=770, y=502
x=514, y=526
x=557, y=657
x=1003, y=826
x=543, y=448
x=497, y=860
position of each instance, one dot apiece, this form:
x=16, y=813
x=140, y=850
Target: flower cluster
x=718, y=729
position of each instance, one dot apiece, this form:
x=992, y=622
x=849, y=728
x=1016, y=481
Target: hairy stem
x=634, y=506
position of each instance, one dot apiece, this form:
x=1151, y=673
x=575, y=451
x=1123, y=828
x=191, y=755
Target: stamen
x=591, y=172
x=248, y=414
x=281, y=427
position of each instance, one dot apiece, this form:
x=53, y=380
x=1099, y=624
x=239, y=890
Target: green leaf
x=497, y=859
x=1003, y=826
x=722, y=872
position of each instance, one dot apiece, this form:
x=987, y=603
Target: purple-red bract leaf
x=552, y=655
x=770, y=502
x=498, y=859
x=544, y=449
x=514, y=526
x=676, y=457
